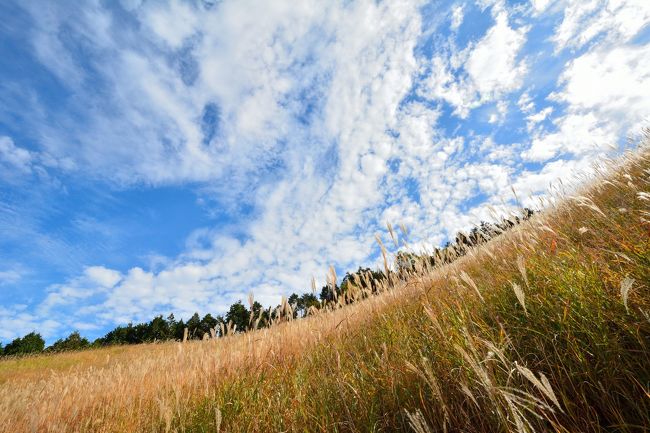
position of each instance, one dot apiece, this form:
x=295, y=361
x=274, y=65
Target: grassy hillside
x=546, y=328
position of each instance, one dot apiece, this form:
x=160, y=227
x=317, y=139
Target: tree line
x=355, y=285
x=238, y=318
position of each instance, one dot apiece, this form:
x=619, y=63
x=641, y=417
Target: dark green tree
x=302, y=303
x=306, y=301
x=74, y=341
x=238, y=315
x=294, y=301
x=30, y=343
x=194, y=326
x=260, y=313
x=327, y=293
x=208, y=322
x=176, y=328
x=159, y=330
x=179, y=329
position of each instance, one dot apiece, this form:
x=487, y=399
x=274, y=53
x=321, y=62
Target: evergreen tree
x=208, y=322
x=294, y=301
x=158, y=330
x=264, y=315
x=327, y=293
x=238, y=315
x=30, y=343
x=306, y=301
x=74, y=341
x=194, y=326
x=179, y=330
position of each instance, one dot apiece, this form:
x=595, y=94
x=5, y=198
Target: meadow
x=544, y=328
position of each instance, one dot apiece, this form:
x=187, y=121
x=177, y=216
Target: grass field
x=545, y=328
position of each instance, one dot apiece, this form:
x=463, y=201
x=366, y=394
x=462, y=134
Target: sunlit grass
x=40, y=366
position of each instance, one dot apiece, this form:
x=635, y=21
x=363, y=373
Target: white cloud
x=540, y=5
x=13, y=156
x=104, y=277
x=173, y=22
x=483, y=72
x=612, y=83
x=615, y=21
x=577, y=134
x=595, y=119
x=492, y=64
x=603, y=93
x=457, y=14
x=17, y=162
x=540, y=116
x=9, y=276
x=533, y=184
x=525, y=103
x=499, y=113
x=147, y=128
x=499, y=153
x=534, y=120
x=16, y=321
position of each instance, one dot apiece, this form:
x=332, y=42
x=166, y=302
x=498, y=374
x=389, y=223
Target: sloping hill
x=545, y=328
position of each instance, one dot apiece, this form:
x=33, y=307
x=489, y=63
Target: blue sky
x=160, y=157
